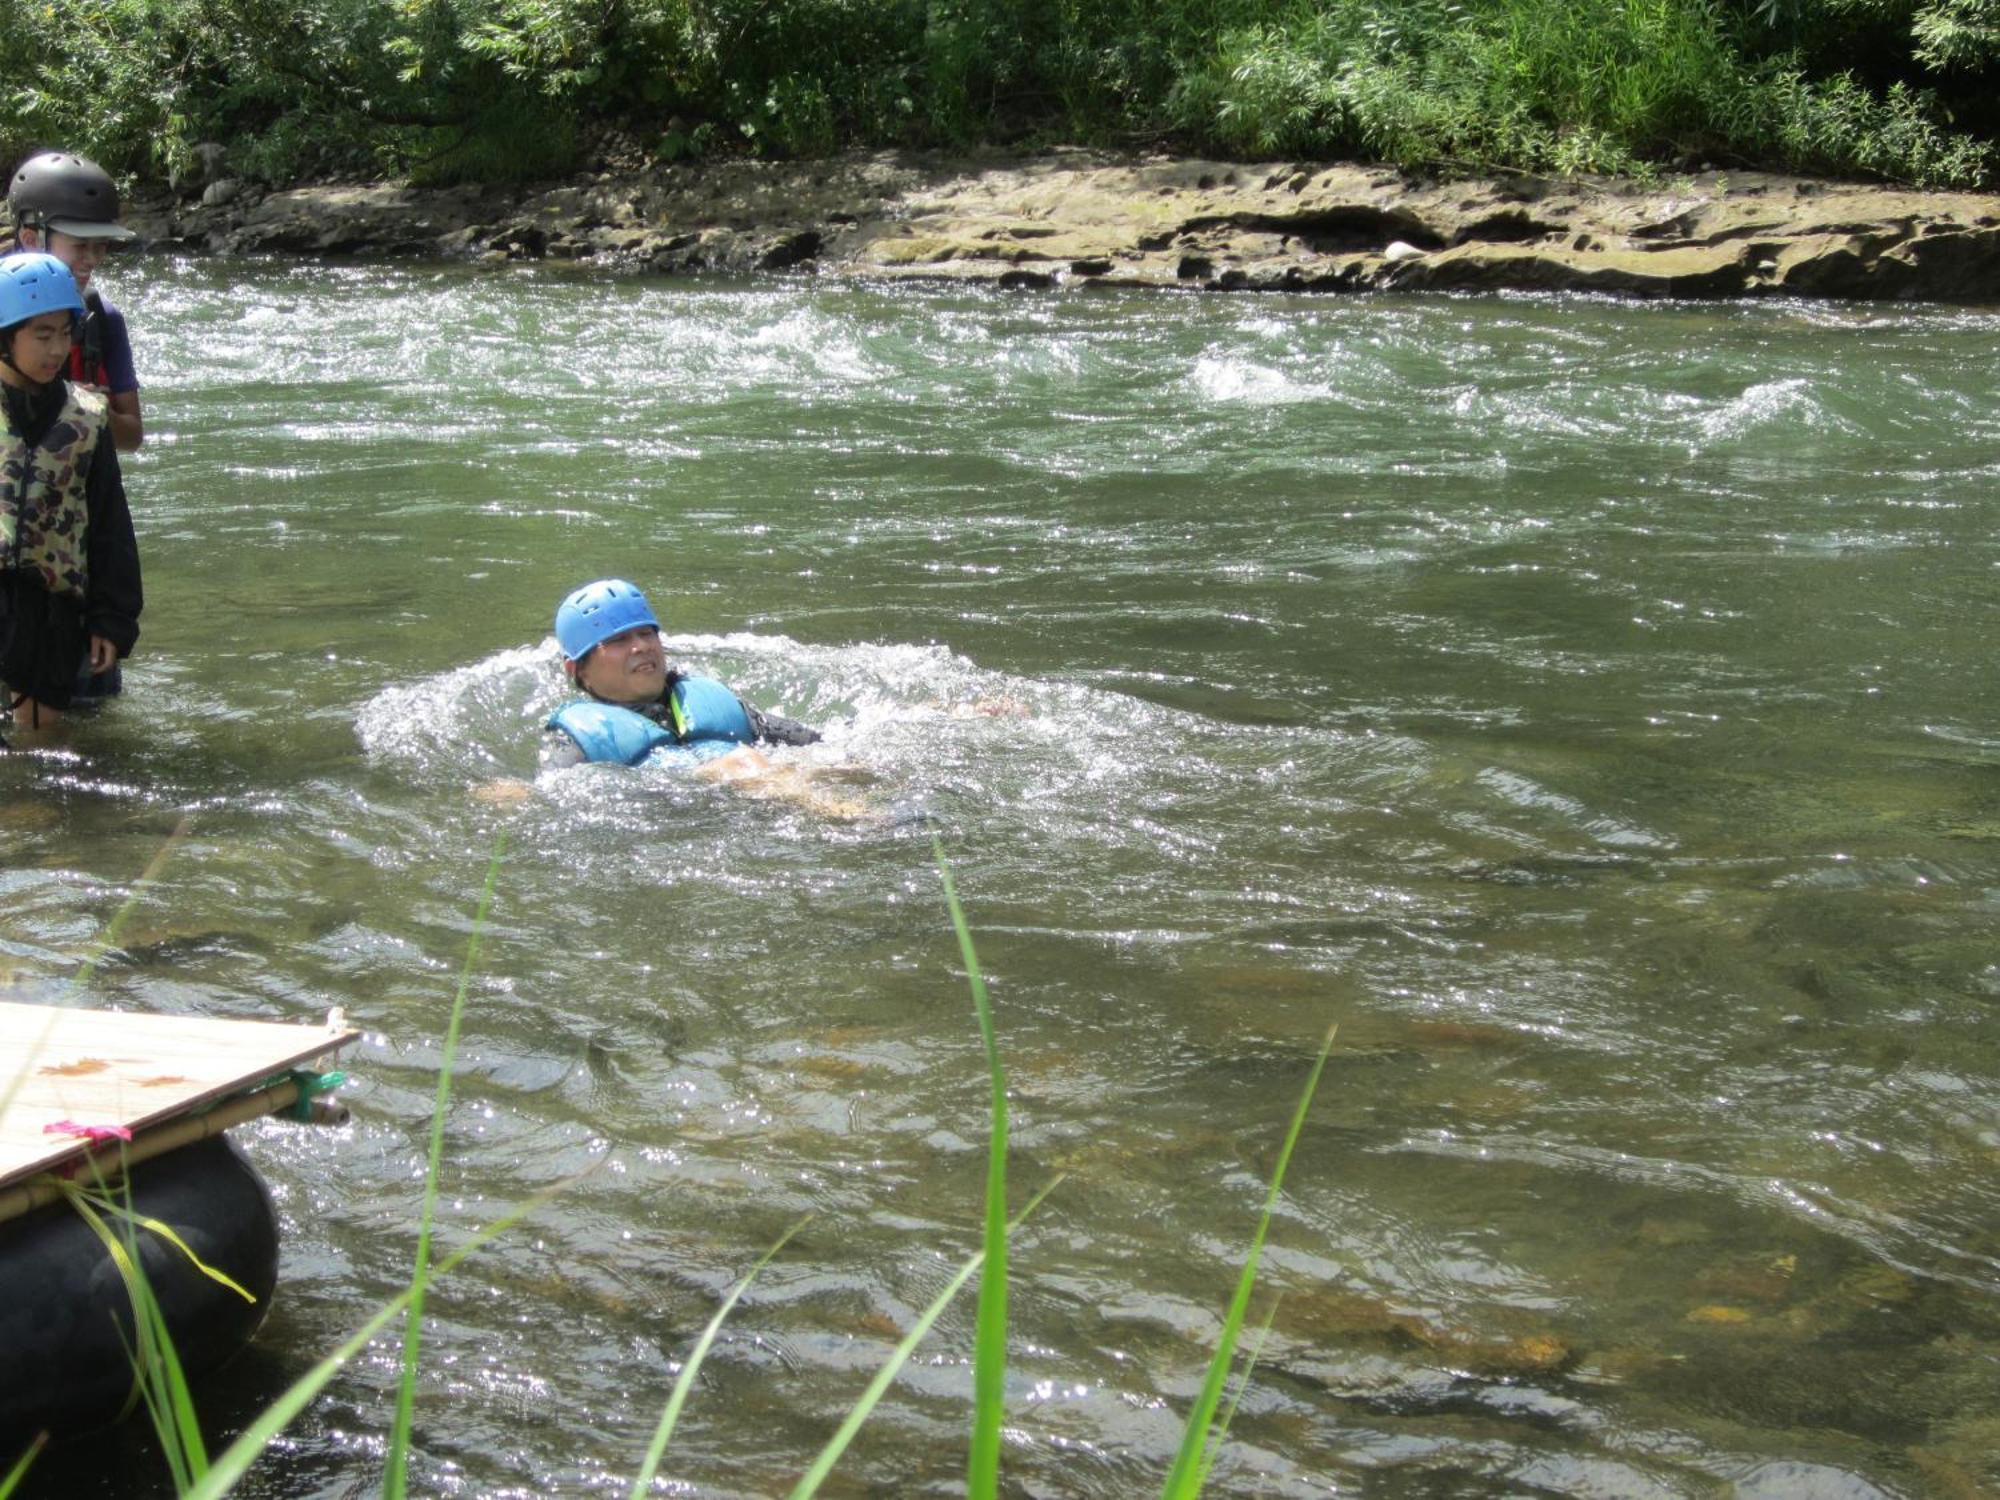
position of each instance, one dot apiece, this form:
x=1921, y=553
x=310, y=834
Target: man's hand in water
x=747, y=769
x=504, y=792
x=752, y=772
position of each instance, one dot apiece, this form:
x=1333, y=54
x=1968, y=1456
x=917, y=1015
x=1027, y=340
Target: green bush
x=1837, y=126
x=1627, y=86
x=488, y=89
x=1957, y=34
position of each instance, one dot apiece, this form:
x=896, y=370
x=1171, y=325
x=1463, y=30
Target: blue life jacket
x=708, y=720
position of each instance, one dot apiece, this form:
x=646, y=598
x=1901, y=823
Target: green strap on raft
x=311, y=1086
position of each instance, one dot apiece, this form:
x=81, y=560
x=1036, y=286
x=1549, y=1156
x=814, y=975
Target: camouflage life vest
x=43, y=506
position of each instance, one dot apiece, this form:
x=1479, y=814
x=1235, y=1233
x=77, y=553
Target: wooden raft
x=129, y=1071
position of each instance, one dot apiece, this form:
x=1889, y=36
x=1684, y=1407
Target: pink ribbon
x=88, y=1132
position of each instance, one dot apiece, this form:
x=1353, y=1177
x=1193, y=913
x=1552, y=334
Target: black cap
x=70, y=194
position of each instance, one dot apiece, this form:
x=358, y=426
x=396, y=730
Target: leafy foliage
x=1627, y=86
x=486, y=89
x=1957, y=34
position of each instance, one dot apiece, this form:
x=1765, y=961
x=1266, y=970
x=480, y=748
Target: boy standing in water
x=67, y=206
x=70, y=594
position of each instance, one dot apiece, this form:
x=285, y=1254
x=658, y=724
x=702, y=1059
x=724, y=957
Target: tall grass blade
x=234, y=1461
x=678, y=1396
x=164, y=1382
x=395, y=1480
x=12, y=1481
x=1242, y=1384
x=111, y=1208
x=836, y=1445
x=989, y=1365
x=1185, y=1478
x=158, y=1378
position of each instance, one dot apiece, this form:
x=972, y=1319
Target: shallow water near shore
x=1584, y=703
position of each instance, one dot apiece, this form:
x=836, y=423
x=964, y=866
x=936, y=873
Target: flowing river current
x=1588, y=705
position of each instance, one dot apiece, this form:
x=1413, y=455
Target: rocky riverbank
x=1074, y=218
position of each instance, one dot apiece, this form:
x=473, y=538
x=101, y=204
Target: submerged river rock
x=1083, y=217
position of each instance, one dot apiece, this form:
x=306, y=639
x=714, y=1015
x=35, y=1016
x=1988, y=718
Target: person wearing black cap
x=67, y=205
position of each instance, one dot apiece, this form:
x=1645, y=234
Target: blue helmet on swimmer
x=598, y=611
x=33, y=282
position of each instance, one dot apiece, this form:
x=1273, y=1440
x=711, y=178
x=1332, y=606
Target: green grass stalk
x=163, y=1383
x=836, y=1445
x=101, y=1201
x=234, y=1461
x=1184, y=1480
x=989, y=1367
x=677, y=1398
x=158, y=1378
x=1221, y=1433
x=12, y=1480
x=395, y=1481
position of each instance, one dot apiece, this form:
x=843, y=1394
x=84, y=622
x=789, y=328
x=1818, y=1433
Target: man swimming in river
x=636, y=711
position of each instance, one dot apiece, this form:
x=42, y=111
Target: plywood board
x=128, y=1070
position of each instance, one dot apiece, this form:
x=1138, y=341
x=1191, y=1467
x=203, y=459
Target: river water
x=1585, y=704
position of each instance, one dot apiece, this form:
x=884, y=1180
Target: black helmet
x=66, y=193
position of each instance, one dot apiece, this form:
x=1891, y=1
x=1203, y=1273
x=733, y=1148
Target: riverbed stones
x=1082, y=218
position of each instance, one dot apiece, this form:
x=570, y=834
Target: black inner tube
x=66, y=1318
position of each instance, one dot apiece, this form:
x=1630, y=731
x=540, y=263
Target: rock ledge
x=1081, y=217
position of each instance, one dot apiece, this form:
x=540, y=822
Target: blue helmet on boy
x=33, y=282
x=598, y=611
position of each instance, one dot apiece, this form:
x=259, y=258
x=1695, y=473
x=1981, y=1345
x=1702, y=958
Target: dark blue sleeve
x=114, y=595
x=118, y=366
x=772, y=729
